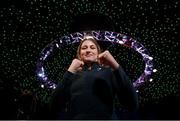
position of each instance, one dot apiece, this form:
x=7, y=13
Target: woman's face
x=88, y=51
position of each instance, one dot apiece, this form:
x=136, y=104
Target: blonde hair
x=89, y=38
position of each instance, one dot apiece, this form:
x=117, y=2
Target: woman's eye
x=83, y=47
x=93, y=48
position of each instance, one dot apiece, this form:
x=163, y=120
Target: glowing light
x=88, y=37
x=42, y=86
x=151, y=80
x=154, y=70
x=150, y=58
x=31, y=29
x=57, y=45
x=100, y=36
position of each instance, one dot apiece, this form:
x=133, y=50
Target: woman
x=90, y=85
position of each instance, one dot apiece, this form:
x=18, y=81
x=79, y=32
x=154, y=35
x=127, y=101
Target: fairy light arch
x=113, y=37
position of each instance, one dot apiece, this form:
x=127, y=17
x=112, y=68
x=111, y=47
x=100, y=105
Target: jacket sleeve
x=61, y=94
x=126, y=92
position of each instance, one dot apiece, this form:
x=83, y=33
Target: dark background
x=27, y=26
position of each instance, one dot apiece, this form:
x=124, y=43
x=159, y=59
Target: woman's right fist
x=76, y=66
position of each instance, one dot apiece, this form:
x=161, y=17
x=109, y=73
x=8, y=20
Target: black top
x=89, y=94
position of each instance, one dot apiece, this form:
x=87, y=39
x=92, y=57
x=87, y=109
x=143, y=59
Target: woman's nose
x=88, y=50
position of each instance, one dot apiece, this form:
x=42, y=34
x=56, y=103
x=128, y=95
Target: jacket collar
x=95, y=66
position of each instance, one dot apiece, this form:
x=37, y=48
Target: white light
x=137, y=90
x=151, y=80
x=150, y=58
x=120, y=42
x=57, y=45
x=154, y=70
x=42, y=86
x=41, y=75
x=88, y=37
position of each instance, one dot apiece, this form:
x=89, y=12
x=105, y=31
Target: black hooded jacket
x=90, y=94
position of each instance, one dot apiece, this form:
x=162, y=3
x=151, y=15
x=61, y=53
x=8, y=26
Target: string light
x=28, y=27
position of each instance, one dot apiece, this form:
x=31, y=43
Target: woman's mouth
x=89, y=55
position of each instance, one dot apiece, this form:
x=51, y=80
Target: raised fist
x=107, y=60
x=76, y=66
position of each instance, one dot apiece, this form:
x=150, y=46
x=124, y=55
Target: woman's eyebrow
x=92, y=45
x=84, y=46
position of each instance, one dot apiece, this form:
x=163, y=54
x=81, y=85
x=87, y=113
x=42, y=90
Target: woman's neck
x=89, y=65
